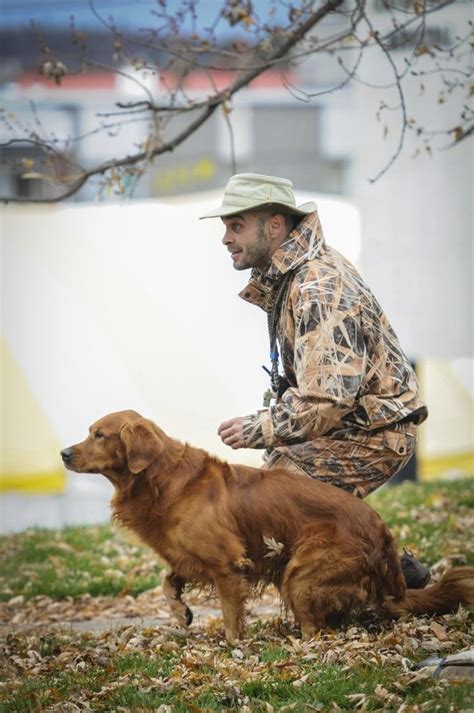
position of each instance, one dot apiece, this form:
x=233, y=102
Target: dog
x=232, y=526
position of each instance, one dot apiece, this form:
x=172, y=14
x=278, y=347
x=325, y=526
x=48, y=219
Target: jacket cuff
x=258, y=430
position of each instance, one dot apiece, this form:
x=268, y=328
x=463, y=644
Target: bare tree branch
x=360, y=32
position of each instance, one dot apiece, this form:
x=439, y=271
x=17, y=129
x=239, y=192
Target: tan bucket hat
x=246, y=191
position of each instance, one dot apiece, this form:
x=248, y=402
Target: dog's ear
x=141, y=443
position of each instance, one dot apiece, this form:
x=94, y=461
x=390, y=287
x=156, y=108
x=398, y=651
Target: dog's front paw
x=184, y=615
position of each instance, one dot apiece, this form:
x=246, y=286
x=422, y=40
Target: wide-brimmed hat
x=246, y=191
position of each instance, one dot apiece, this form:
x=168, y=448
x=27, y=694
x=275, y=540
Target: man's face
x=246, y=238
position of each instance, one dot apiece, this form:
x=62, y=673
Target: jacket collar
x=305, y=242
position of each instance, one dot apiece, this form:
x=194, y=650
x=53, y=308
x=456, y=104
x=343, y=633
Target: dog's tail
x=456, y=587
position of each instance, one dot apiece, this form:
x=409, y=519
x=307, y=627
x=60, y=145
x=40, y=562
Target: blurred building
x=266, y=127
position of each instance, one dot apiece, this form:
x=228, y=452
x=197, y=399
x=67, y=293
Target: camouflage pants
x=355, y=460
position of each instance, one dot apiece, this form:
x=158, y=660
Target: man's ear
x=142, y=445
x=277, y=227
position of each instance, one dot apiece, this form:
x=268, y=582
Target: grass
x=432, y=519
x=74, y=561
x=147, y=680
x=138, y=669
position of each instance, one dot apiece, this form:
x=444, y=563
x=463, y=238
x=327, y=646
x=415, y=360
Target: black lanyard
x=280, y=292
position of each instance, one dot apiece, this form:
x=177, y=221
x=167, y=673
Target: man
x=347, y=406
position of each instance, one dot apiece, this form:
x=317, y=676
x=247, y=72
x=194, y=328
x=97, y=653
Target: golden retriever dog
x=232, y=526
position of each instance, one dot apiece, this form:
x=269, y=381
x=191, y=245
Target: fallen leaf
x=439, y=631
x=274, y=548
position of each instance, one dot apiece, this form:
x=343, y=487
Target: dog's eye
x=99, y=436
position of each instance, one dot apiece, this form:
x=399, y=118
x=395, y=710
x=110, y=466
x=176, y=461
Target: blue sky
x=126, y=13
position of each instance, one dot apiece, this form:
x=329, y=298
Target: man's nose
x=226, y=239
x=66, y=454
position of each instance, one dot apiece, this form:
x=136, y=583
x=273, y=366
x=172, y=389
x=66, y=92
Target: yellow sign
x=178, y=177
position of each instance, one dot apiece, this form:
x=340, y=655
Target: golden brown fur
x=208, y=520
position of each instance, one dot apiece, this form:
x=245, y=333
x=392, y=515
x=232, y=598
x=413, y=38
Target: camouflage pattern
x=356, y=461
x=350, y=384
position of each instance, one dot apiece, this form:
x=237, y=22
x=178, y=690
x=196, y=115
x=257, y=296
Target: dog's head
x=118, y=445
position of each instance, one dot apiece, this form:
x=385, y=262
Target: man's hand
x=232, y=432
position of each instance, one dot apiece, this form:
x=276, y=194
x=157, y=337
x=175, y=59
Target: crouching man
x=346, y=408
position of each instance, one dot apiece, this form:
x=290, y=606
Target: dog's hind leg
x=323, y=581
x=173, y=586
x=300, y=602
x=311, y=602
x=233, y=591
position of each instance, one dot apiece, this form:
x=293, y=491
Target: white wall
x=417, y=217
x=135, y=306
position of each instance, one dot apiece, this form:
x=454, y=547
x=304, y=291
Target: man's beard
x=258, y=254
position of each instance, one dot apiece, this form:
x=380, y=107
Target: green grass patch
x=74, y=561
x=432, y=519
x=272, y=653
x=149, y=665
x=137, y=681
x=324, y=686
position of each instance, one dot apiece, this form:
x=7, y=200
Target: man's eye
x=236, y=227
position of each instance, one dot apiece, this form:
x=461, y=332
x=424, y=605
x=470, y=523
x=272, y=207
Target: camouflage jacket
x=340, y=355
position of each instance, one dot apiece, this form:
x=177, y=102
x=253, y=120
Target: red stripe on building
x=197, y=81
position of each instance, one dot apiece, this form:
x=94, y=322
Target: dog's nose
x=66, y=454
